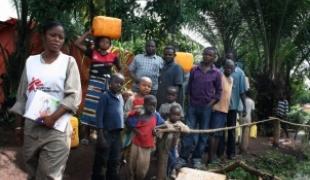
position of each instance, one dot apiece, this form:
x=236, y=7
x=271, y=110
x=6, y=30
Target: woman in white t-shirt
x=46, y=149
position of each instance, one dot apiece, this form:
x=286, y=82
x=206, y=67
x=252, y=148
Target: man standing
x=171, y=75
x=148, y=64
x=204, y=90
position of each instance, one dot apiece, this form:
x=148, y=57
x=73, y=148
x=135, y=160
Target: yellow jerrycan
x=107, y=26
x=253, y=131
x=75, y=132
x=185, y=60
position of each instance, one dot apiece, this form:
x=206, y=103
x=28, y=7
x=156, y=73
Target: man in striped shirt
x=282, y=110
x=147, y=64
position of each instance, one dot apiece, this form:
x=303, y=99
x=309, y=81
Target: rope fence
x=294, y=124
x=206, y=131
x=277, y=131
x=276, y=124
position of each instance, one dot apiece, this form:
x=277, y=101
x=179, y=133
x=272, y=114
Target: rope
x=206, y=131
x=196, y=131
x=295, y=124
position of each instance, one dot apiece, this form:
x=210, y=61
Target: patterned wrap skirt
x=96, y=86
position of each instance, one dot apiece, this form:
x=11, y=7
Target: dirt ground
x=81, y=158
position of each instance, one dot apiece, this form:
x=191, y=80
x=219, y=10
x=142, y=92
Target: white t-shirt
x=250, y=106
x=49, y=78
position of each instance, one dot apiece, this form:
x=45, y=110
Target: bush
x=297, y=115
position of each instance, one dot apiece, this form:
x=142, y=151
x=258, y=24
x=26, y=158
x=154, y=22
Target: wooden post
x=277, y=132
x=164, y=146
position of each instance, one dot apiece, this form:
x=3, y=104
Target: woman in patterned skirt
x=100, y=71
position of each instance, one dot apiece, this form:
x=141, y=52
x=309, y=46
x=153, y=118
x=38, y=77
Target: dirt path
x=80, y=160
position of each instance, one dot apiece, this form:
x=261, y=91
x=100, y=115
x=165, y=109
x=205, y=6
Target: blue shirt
x=133, y=121
x=238, y=88
x=110, y=114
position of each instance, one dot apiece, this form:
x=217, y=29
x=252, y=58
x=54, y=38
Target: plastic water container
x=75, y=132
x=107, y=26
x=253, y=131
x=185, y=60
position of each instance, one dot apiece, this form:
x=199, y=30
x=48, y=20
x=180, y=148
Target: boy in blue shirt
x=110, y=122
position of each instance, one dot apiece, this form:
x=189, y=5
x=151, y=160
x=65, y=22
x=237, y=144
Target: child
x=127, y=94
x=220, y=110
x=172, y=94
x=247, y=119
x=134, y=106
x=169, y=143
x=110, y=122
x=143, y=141
x=135, y=103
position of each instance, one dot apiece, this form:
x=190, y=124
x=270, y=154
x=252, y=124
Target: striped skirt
x=96, y=86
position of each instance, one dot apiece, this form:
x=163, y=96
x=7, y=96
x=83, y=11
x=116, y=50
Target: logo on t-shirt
x=35, y=84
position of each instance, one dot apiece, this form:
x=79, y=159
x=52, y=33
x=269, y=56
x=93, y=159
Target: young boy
x=127, y=94
x=250, y=104
x=143, y=141
x=110, y=122
x=135, y=103
x=168, y=144
x=204, y=90
x=171, y=97
x=220, y=110
x=134, y=106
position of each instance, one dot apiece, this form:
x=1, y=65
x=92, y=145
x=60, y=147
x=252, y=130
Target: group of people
x=155, y=101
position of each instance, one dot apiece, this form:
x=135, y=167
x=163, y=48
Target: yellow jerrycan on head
x=107, y=26
x=75, y=132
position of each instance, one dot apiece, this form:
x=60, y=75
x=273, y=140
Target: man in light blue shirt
x=148, y=64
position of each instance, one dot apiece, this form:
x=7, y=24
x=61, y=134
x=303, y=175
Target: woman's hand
x=49, y=121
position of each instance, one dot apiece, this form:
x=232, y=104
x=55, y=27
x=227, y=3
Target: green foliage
x=300, y=92
x=283, y=165
x=297, y=115
x=239, y=173
x=62, y=11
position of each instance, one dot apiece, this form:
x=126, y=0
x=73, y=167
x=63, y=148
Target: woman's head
x=103, y=43
x=53, y=36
